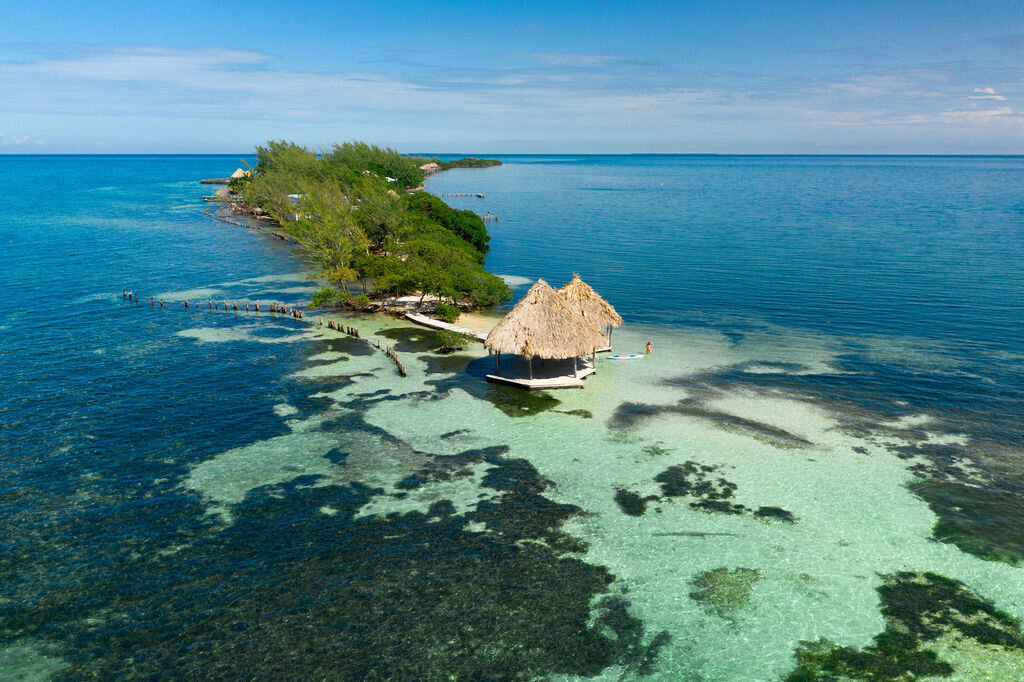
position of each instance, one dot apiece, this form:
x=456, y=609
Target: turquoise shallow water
x=211, y=494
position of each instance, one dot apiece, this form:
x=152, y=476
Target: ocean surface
x=827, y=442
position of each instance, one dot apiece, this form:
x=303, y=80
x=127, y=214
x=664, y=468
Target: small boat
x=631, y=356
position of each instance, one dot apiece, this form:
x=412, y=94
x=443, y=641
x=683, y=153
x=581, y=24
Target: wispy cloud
x=974, y=116
x=540, y=95
x=986, y=93
x=16, y=140
x=574, y=59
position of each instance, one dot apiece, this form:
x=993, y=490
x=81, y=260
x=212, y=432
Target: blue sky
x=514, y=77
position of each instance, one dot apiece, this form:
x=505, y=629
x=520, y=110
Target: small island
x=358, y=212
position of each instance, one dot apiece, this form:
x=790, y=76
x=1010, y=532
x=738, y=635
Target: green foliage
x=465, y=224
x=379, y=161
x=238, y=185
x=447, y=313
x=467, y=162
x=452, y=341
x=390, y=274
x=354, y=224
x=325, y=297
x=381, y=216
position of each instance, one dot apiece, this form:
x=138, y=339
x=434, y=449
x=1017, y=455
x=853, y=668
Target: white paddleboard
x=631, y=356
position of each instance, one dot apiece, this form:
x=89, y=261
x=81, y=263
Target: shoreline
x=227, y=201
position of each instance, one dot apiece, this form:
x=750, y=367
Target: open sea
x=831, y=425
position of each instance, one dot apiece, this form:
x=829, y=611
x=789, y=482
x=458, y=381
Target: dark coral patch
x=629, y=415
x=409, y=596
x=775, y=514
x=987, y=521
x=412, y=339
x=630, y=503
x=695, y=481
x=918, y=608
x=585, y=414
x=723, y=592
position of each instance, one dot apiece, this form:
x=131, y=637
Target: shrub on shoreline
x=447, y=313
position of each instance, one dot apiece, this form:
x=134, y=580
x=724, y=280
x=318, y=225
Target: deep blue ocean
x=910, y=269
x=856, y=247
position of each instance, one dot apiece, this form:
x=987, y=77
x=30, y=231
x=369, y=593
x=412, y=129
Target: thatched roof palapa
x=582, y=298
x=542, y=324
x=239, y=174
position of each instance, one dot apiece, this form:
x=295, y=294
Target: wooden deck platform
x=438, y=324
x=552, y=374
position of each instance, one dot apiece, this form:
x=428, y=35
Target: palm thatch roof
x=542, y=324
x=582, y=298
x=239, y=174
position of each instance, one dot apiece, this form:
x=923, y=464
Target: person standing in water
x=649, y=348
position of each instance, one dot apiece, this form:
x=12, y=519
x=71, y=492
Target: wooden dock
x=552, y=374
x=478, y=195
x=439, y=324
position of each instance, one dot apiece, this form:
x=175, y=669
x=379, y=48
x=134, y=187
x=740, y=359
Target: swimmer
x=649, y=348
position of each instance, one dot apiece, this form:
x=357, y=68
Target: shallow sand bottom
x=854, y=517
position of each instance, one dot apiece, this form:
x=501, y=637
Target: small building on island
x=545, y=325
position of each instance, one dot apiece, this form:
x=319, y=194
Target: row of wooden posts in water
x=280, y=235
x=337, y=326
x=394, y=356
x=278, y=308
x=131, y=296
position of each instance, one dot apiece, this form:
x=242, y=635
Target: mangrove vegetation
x=351, y=209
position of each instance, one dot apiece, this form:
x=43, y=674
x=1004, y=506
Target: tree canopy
x=349, y=210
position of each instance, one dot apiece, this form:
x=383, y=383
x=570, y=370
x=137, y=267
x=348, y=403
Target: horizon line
x=567, y=154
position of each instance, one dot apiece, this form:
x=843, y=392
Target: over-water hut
x=543, y=325
x=599, y=312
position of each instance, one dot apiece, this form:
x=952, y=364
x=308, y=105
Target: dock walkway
x=547, y=374
x=438, y=324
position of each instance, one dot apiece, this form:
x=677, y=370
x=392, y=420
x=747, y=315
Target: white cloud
x=971, y=116
x=16, y=140
x=575, y=59
x=987, y=93
x=569, y=97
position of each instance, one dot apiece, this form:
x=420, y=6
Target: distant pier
x=478, y=195
x=274, y=308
